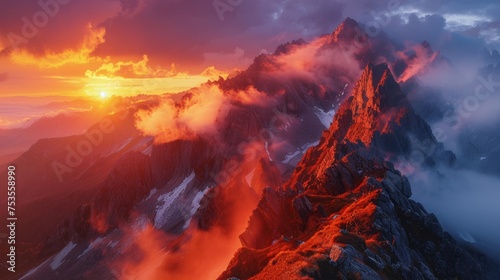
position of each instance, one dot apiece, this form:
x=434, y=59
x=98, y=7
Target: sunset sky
x=124, y=47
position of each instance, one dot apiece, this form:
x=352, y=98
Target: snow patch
x=167, y=199
x=300, y=151
x=59, y=259
x=151, y=193
x=309, y=145
x=112, y=244
x=196, y=201
x=267, y=151
x=32, y=271
x=249, y=177
x=145, y=146
x=467, y=237
x=125, y=144
x=325, y=118
x=91, y=246
x=195, y=205
x=290, y=156
x=148, y=151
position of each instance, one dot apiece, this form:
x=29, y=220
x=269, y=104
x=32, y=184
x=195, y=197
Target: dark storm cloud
x=432, y=28
x=52, y=26
x=183, y=31
x=186, y=32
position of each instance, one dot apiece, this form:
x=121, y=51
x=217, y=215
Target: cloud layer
x=195, y=35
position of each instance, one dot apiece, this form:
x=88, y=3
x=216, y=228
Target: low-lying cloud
x=465, y=202
x=200, y=113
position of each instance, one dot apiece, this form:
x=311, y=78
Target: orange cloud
x=130, y=69
x=196, y=115
x=314, y=62
x=213, y=73
x=418, y=63
x=148, y=246
x=81, y=55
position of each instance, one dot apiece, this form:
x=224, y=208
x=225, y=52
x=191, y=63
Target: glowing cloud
x=196, y=115
x=130, y=69
x=81, y=55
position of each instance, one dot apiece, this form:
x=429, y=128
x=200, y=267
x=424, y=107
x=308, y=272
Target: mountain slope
x=346, y=212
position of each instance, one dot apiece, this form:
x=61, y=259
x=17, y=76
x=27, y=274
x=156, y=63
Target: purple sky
x=195, y=34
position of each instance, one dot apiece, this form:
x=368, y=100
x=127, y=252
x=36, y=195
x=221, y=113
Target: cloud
x=54, y=28
x=203, y=38
x=200, y=112
x=130, y=69
x=318, y=64
x=196, y=115
x=80, y=55
x=191, y=34
x=196, y=254
x=418, y=59
x=465, y=202
x=213, y=73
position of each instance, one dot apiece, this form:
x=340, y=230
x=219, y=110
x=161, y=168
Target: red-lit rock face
x=377, y=116
x=358, y=223
x=375, y=104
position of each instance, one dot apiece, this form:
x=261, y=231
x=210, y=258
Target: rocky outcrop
x=369, y=229
x=377, y=116
x=126, y=185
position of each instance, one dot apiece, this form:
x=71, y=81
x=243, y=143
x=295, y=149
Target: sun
x=103, y=95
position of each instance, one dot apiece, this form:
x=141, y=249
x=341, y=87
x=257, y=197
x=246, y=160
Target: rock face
x=128, y=183
x=347, y=213
x=125, y=187
x=377, y=116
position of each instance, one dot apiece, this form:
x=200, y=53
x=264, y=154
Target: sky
x=125, y=47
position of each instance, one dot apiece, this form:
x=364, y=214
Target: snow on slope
x=59, y=258
x=166, y=201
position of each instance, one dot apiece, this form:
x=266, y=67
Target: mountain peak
x=346, y=31
x=376, y=91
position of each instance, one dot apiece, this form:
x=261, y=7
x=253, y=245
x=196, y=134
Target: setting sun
x=103, y=95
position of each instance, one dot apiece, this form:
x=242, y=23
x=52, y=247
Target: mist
x=466, y=204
